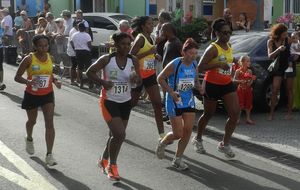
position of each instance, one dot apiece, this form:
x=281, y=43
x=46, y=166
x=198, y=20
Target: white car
x=104, y=25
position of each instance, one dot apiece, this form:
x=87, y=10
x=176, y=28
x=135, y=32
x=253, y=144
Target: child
x=244, y=78
x=295, y=50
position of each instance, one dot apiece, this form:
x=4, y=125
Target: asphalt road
x=81, y=134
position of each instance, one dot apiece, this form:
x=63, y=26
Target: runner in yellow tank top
x=145, y=50
x=38, y=93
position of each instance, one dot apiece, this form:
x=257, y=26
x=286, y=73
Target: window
x=207, y=10
x=296, y=6
x=103, y=23
x=292, y=6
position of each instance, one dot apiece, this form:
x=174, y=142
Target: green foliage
x=192, y=30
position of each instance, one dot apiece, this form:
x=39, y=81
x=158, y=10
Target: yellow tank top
x=218, y=75
x=42, y=71
x=147, y=64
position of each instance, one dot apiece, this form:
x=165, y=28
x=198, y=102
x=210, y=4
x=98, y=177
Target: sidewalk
x=280, y=135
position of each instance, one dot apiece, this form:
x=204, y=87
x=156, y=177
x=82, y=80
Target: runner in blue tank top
x=180, y=105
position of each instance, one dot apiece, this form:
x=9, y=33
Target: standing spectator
x=279, y=45
x=144, y=49
x=244, y=78
x=79, y=18
x=178, y=14
x=23, y=42
x=81, y=42
x=41, y=26
x=27, y=24
x=217, y=63
x=71, y=53
x=228, y=17
x=243, y=23
x=189, y=15
x=68, y=21
x=51, y=27
x=7, y=26
x=295, y=52
x=18, y=21
x=39, y=93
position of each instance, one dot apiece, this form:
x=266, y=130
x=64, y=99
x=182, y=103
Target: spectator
x=243, y=23
x=18, y=21
x=51, y=27
x=27, y=24
x=228, y=17
x=71, y=53
x=41, y=26
x=7, y=26
x=278, y=45
x=189, y=15
x=79, y=18
x=23, y=42
x=178, y=13
x=81, y=42
x=2, y=85
x=68, y=21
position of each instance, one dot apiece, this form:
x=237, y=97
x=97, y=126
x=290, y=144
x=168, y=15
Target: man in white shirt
x=7, y=25
x=82, y=44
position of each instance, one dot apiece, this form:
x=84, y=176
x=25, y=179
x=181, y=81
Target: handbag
x=274, y=66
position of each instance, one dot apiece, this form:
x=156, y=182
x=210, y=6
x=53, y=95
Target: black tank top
x=284, y=55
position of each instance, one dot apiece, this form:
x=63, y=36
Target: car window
x=247, y=43
x=262, y=49
x=100, y=22
x=120, y=17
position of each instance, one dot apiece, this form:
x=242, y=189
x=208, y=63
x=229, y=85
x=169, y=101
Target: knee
x=178, y=135
x=31, y=122
x=206, y=116
x=120, y=136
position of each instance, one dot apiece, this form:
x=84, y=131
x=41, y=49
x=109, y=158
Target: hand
x=281, y=48
x=158, y=57
x=57, y=84
x=107, y=85
x=175, y=96
x=32, y=82
x=153, y=50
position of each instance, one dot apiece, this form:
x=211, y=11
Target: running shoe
x=112, y=172
x=160, y=150
x=226, y=150
x=29, y=146
x=198, y=146
x=2, y=86
x=179, y=164
x=103, y=163
x=50, y=161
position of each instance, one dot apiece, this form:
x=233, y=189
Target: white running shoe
x=160, y=150
x=179, y=164
x=198, y=146
x=29, y=146
x=226, y=150
x=50, y=161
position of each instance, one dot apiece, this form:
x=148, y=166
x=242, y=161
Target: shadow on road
x=214, y=177
x=126, y=184
x=13, y=97
x=68, y=182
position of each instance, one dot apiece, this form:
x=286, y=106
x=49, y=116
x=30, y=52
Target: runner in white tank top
x=120, y=71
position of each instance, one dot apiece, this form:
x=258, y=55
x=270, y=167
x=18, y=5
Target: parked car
x=103, y=25
x=254, y=44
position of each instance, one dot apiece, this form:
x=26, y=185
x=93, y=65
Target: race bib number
x=149, y=64
x=42, y=81
x=225, y=72
x=186, y=84
x=120, y=87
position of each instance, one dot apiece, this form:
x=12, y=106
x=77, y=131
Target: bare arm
x=163, y=76
x=210, y=53
x=273, y=53
x=95, y=68
x=25, y=63
x=138, y=44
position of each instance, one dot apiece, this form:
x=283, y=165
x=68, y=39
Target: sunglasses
x=225, y=33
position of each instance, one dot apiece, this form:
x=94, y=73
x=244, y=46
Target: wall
x=135, y=7
x=277, y=10
x=247, y=6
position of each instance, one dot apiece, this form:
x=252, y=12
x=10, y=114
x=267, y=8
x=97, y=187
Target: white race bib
x=120, y=87
x=149, y=64
x=42, y=82
x=225, y=72
x=185, y=84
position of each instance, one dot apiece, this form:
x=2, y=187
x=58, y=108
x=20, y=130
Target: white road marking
x=33, y=181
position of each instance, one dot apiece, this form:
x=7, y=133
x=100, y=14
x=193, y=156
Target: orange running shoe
x=103, y=163
x=112, y=172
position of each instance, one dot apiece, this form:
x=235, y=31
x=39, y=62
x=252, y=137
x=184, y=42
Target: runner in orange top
x=39, y=93
x=217, y=63
x=145, y=50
